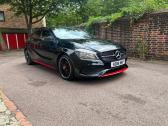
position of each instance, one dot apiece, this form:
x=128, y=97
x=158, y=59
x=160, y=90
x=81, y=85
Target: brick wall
x=12, y=21
x=152, y=29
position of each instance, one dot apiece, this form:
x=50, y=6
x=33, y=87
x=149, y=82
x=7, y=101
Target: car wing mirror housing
x=49, y=38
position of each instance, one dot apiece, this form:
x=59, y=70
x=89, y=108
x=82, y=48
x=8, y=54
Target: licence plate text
x=118, y=63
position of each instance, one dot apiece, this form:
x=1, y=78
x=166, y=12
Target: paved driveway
x=138, y=97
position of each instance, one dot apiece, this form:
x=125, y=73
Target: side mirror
x=49, y=38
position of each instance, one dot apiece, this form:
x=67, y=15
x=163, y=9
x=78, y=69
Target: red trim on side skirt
x=114, y=73
x=44, y=64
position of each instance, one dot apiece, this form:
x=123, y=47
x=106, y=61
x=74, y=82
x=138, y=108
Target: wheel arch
x=66, y=52
x=70, y=62
x=59, y=56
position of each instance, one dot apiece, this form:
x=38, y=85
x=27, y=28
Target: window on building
x=2, y=16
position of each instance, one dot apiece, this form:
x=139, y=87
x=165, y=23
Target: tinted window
x=71, y=34
x=46, y=33
x=37, y=34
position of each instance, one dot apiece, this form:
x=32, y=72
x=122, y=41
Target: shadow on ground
x=84, y=81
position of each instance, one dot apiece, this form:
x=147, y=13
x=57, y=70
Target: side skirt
x=44, y=64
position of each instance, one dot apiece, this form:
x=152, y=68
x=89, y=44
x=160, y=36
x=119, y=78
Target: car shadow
x=96, y=81
x=83, y=81
x=86, y=81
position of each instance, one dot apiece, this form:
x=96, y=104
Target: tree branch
x=38, y=20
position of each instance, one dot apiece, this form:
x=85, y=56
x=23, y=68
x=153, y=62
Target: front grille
x=107, y=53
x=109, y=56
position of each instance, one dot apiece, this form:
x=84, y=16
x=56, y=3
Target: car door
x=48, y=47
x=34, y=44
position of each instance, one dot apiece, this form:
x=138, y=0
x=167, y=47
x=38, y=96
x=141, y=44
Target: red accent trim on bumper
x=43, y=64
x=114, y=73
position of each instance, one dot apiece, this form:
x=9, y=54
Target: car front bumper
x=93, y=69
x=105, y=73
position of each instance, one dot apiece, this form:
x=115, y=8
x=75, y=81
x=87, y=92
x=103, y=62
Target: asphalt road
x=139, y=97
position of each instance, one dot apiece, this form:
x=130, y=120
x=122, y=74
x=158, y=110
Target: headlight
x=86, y=54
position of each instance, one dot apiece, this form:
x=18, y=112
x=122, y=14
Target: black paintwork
x=49, y=49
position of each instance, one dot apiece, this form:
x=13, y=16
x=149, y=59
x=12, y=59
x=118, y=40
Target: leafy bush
x=134, y=11
x=94, y=20
x=141, y=49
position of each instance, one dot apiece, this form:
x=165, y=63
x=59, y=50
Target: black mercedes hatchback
x=74, y=53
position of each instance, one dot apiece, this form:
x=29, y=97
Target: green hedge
x=133, y=12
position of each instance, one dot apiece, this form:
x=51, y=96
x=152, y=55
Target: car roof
x=65, y=28
x=60, y=28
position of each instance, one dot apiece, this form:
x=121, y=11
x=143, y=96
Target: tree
x=67, y=17
x=85, y=9
x=35, y=10
x=2, y=43
x=104, y=10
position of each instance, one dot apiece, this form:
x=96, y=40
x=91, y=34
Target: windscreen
x=70, y=34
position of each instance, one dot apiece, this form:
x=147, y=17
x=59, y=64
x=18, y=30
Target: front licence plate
x=118, y=63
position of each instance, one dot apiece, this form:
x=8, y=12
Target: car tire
x=65, y=68
x=28, y=58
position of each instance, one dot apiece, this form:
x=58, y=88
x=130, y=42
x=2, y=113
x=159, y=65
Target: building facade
x=13, y=29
